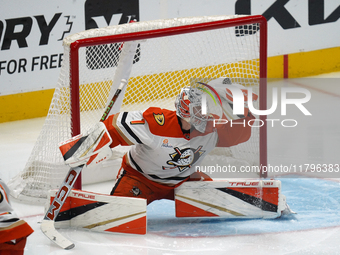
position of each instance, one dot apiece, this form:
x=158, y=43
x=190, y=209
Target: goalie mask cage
x=169, y=54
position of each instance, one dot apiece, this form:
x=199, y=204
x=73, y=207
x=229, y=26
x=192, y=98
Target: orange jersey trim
x=17, y=230
x=137, y=122
x=163, y=121
x=118, y=138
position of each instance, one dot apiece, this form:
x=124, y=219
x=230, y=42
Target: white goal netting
x=163, y=64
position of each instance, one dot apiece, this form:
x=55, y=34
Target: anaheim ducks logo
x=159, y=118
x=184, y=159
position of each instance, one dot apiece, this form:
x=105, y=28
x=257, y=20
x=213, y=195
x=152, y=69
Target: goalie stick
x=47, y=225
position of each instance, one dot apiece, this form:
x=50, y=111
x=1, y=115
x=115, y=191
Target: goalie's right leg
x=134, y=185
x=231, y=199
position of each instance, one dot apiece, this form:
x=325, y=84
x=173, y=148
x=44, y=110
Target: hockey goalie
x=166, y=145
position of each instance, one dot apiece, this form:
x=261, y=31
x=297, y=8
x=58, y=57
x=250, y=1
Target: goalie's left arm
x=235, y=132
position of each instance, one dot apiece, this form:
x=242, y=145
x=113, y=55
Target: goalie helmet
x=194, y=106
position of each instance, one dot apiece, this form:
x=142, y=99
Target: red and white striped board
x=102, y=213
x=230, y=199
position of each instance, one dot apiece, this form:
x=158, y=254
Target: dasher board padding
x=102, y=213
x=230, y=199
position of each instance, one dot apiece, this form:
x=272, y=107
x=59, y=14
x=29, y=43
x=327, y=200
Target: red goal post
x=85, y=57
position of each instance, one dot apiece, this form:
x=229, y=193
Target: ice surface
x=315, y=229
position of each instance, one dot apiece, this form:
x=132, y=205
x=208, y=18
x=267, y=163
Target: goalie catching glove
x=91, y=148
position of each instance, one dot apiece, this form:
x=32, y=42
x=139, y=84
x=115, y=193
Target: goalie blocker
x=228, y=199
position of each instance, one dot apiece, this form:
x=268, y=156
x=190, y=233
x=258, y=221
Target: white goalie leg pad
x=102, y=213
x=90, y=148
x=231, y=199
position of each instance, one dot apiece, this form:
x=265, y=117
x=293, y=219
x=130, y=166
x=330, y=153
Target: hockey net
x=170, y=53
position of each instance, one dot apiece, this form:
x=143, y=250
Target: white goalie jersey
x=160, y=150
